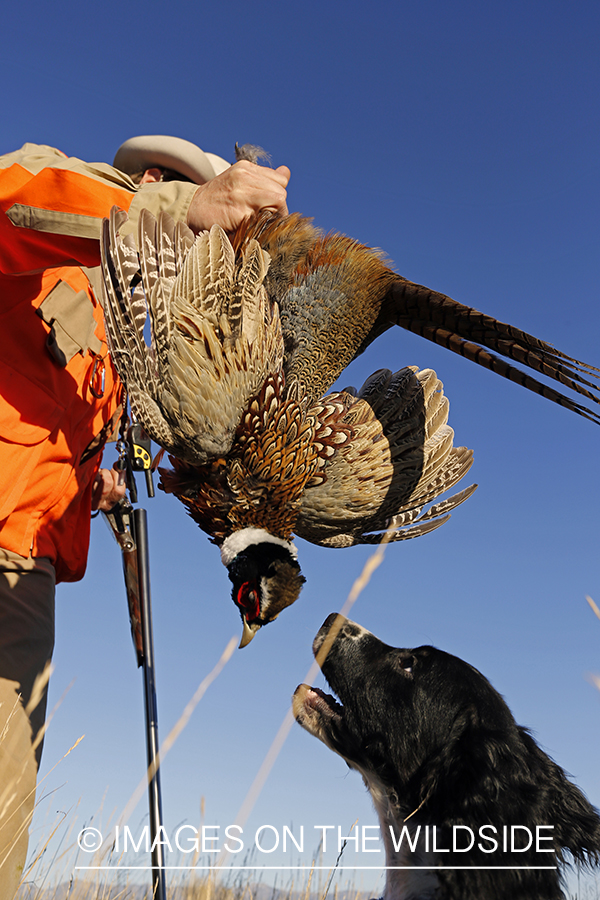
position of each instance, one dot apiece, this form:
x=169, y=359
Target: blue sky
x=462, y=139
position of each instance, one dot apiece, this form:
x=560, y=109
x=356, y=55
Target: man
x=60, y=397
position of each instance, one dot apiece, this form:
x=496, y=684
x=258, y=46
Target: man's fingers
x=285, y=174
x=270, y=189
x=97, y=489
x=108, y=488
x=238, y=193
x=281, y=210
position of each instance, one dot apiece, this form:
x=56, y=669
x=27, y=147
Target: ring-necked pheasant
x=246, y=338
x=258, y=453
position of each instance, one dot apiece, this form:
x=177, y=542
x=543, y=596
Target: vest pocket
x=71, y=317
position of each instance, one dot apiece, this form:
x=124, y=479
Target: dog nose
x=331, y=619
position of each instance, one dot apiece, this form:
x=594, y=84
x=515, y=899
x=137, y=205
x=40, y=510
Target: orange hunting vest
x=59, y=393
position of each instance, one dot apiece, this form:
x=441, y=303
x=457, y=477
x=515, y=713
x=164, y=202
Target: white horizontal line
x=312, y=868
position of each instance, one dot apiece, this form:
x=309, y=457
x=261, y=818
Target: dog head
x=399, y=708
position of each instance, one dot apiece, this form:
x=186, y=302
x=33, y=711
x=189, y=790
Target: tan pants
x=26, y=643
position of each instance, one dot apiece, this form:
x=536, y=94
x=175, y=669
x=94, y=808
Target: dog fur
x=438, y=747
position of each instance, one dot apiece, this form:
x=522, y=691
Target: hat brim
x=159, y=150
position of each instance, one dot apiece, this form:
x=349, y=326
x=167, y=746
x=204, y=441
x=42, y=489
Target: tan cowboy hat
x=150, y=150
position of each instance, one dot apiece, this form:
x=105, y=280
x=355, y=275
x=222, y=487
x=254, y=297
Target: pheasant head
x=265, y=575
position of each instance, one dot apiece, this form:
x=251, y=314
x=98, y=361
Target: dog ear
x=576, y=822
x=486, y=776
x=464, y=778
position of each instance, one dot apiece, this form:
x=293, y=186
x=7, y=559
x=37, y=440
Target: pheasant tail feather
x=473, y=335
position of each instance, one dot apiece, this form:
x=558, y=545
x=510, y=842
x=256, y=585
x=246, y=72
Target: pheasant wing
x=400, y=457
x=125, y=316
x=214, y=335
x=225, y=341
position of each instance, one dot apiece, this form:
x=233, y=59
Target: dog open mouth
x=319, y=713
x=315, y=710
x=322, y=714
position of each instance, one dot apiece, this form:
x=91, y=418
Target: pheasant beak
x=248, y=633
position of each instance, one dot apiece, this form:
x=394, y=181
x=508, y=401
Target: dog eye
x=406, y=663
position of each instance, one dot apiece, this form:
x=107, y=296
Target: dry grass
x=317, y=883
x=200, y=889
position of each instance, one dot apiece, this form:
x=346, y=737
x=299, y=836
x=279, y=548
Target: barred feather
x=189, y=388
x=400, y=458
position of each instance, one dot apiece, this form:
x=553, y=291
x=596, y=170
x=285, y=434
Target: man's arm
x=51, y=206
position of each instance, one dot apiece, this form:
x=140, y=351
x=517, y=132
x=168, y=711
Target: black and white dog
x=464, y=795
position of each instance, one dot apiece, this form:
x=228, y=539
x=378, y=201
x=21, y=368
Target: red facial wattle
x=248, y=600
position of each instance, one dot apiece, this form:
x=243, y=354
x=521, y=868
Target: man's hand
x=237, y=193
x=108, y=488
